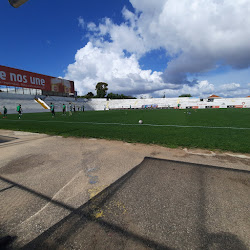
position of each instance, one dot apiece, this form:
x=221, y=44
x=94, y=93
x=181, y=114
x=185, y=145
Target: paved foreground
x=161, y=205
x=67, y=193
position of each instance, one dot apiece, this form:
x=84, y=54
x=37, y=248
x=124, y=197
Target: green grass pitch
x=123, y=125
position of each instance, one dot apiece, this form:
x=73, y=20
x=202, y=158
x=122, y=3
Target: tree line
x=102, y=89
x=101, y=92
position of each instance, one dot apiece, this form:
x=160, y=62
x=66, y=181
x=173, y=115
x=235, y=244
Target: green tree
x=117, y=96
x=101, y=89
x=185, y=95
x=112, y=96
x=89, y=95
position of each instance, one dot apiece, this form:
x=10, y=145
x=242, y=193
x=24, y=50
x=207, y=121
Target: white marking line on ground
x=127, y=124
x=53, y=198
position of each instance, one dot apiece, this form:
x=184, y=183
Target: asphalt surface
x=160, y=205
x=114, y=195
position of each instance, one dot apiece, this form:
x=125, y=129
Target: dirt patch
x=155, y=153
x=231, y=159
x=23, y=164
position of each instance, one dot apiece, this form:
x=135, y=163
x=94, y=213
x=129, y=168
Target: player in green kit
x=52, y=109
x=64, y=109
x=19, y=111
x=4, y=112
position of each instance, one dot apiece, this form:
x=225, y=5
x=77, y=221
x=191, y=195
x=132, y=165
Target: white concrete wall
x=102, y=104
x=184, y=102
x=30, y=106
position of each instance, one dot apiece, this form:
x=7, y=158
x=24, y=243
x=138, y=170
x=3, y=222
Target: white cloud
x=123, y=74
x=229, y=87
x=92, y=27
x=199, y=35
x=204, y=89
x=81, y=22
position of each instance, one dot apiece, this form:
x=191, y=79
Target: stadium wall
x=29, y=104
x=183, y=103
x=194, y=103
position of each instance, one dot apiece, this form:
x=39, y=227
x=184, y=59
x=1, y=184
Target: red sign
x=25, y=79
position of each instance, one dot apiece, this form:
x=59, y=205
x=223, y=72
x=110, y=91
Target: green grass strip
x=227, y=130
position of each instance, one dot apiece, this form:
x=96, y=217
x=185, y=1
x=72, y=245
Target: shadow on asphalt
x=6, y=241
x=6, y=139
x=159, y=204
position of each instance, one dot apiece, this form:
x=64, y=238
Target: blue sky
x=139, y=47
x=43, y=36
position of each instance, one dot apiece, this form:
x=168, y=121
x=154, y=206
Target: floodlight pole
x=17, y=3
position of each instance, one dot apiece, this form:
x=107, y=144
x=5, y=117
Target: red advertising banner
x=25, y=79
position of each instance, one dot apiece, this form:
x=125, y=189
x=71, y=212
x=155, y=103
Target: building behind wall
x=24, y=82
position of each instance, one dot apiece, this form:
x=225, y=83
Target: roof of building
x=214, y=96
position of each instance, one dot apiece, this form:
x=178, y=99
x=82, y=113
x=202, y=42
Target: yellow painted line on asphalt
x=94, y=191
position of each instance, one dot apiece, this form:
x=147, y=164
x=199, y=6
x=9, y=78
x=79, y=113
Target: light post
x=17, y=3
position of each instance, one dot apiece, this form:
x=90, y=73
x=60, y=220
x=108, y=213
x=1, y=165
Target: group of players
x=18, y=109
x=71, y=109
x=52, y=110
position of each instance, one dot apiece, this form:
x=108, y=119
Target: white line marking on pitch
x=127, y=124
